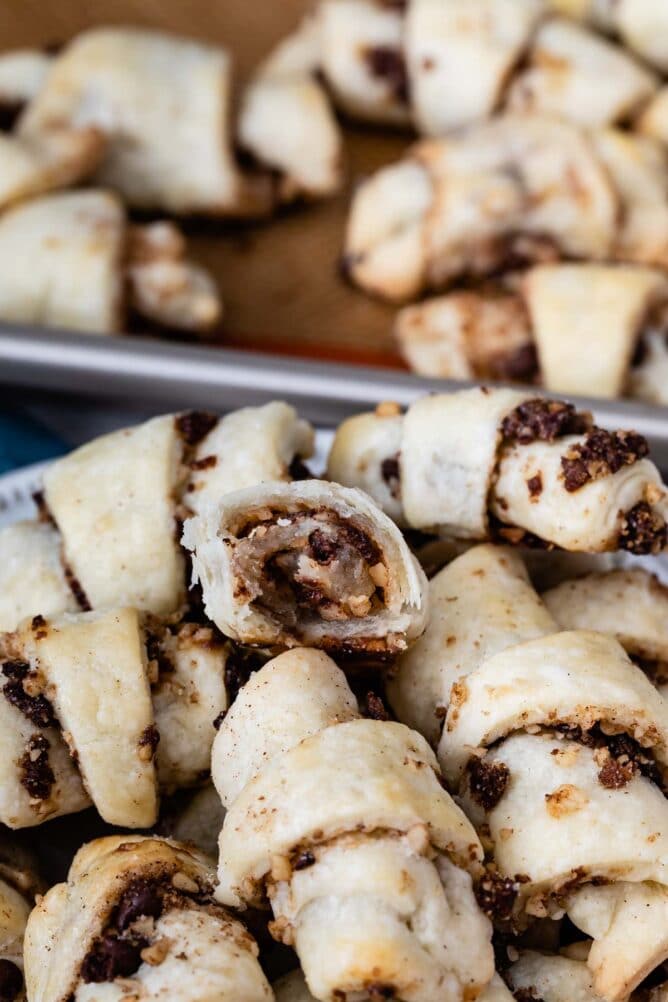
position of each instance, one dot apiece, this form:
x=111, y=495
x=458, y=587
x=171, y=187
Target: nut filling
x=117, y=952
x=310, y=565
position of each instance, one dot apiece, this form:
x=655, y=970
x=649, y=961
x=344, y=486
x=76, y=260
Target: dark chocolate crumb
x=535, y=486
x=543, y=420
x=192, y=426
x=497, y=895
x=11, y=981
x=387, y=63
x=36, y=774
x=150, y=738
x=602, y=453
x=488, y=781
x=322, y=548
x=643, y=530
x=614, y=775
x=219, y=720
x=391, y=474
x=360, y=541
x=374, y=708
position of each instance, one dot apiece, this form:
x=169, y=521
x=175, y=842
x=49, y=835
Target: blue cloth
x=24, y=441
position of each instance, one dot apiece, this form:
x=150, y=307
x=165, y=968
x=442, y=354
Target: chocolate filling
x=37, y=708
x=544, y=421
x=497, y=895
x=391, y=474
x=487, y=781
x=194, y=425
x=643, y=530
x=602, y=453
x=11, y=981
x=112, y=956
x=387, y=63
x=37, y=776
x=117, y=952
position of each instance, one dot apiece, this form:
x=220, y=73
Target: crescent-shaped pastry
x=630, y=603
x=162, y=105
x=558, y=745
x=648, y=378
x=78, y=687
x=342, y=823
x=113, y=502
x=137, y=917
x=308, y=563
x=189, y=697
x=536, y=466
x=587, y=321
x=518, y=188
x=578, y=679
x=68, y=257
x=468, y=335
x=575, y=74
x=32, y=580
x=560, y=742
x=362, y=59
x=248, y=447
x=286, y=121
x=479, y=604
x=124, y=697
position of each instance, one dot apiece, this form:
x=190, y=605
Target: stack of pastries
x=318, y=772
x=533, y=209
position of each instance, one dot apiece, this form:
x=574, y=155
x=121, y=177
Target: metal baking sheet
x=163, y=374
